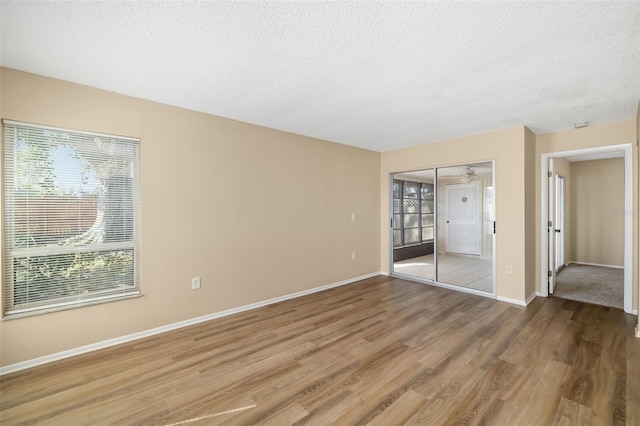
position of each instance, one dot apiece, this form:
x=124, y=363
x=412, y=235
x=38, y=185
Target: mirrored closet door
x=414, y=223
x=443, y=226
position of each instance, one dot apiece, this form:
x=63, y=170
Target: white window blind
x=71, y=218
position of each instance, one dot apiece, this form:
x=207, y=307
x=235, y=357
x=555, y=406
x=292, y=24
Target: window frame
x=419, y=197
x=10, y=251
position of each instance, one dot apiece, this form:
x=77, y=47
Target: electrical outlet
x=509, y=269
x=354, y=255
x=195, y=283
x=353, y=217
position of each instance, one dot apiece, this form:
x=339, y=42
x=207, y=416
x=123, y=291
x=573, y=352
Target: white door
x=560, y=222
x=551, y=234
x=464, y=218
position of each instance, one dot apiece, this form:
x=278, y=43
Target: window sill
x=29, y=312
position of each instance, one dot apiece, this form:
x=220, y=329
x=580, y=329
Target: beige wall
x=281, y=224
x=614, y=133
x=256, y=213
x=597, y=212
x=507, y=149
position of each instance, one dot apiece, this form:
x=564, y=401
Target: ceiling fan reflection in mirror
x=467, y=174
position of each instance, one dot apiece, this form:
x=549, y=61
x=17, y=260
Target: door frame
x=551, y=236
x=561, y=237
x=628, y=217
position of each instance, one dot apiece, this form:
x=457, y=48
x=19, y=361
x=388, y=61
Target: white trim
x=561, y=209
x=628, y=207
x=493, y=235
x=151, y=332
x=551, y=235
x=63, y=129
x=390, y=246
x=628, y=226
x=518, y=302
x=530, y=298
x=71, y=303
x=638, y=331
x=512, y=301
x=594, y=264
x=544, y=225
x=539, y=294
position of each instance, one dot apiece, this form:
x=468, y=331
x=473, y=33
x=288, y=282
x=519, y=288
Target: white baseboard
x=516, y=301
x=539, y=294
x=146, y=333
x=594, y=264
x=512, y=301
x=530, y=298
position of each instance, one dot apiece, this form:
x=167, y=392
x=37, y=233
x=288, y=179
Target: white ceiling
x=378, y=75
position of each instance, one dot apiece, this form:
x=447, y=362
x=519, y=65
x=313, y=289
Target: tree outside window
x=71, y=215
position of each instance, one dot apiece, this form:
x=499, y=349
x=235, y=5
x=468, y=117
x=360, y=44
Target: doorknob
x=557, y=230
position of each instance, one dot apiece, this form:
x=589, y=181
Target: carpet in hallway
x=592, y=284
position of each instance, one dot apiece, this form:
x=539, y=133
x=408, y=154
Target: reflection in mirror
x=413, y=223
x=443, y=225
x=465, y=226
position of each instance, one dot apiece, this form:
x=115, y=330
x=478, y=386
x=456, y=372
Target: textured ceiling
x=378, y=75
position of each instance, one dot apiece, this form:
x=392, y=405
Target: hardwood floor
x=381, y=351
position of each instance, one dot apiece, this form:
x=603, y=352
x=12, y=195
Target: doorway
x=594, y=244
x=443, y=224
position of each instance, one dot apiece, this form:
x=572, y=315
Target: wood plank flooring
x=382, y=351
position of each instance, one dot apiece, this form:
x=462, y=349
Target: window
x=412, y=213
x=71, y=216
